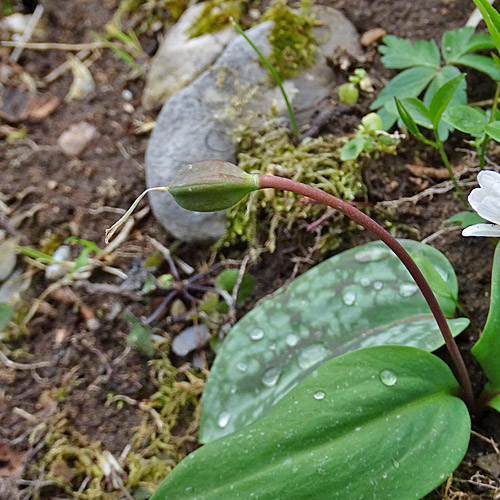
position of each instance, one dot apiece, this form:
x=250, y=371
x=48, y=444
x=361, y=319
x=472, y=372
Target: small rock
x=193, y=337
x=371, y=36
x=180, y=59
x=56, y=271
x=8, y=257
x=193, y=125
x=74, y=140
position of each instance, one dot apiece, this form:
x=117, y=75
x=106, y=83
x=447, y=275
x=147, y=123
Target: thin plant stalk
x=274, y=74
x=444, y=157
x=271, y=181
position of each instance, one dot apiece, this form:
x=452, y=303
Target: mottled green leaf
x=399, y=53
x=380, y=423
x=359, y=298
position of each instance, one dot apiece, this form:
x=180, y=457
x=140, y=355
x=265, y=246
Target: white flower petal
x=488, y=178
x=476, y=196
x=489, y=209
x=490, y=230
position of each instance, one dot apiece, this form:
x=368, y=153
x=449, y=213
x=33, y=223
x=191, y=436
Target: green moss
x=142, y=14
x=171, y=419
x=216, y=15
x=292, y=38
x=314, y=161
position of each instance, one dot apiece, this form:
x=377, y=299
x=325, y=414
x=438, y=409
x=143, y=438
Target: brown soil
x=75, y=196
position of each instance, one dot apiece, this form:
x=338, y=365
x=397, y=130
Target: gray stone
x=195, y=123
x=180, y=59
x=193, y=337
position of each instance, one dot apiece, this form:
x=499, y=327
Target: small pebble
x=127, y=95
x=193, y=337
x=128, y=108
x=56, y=271
x=74, y=140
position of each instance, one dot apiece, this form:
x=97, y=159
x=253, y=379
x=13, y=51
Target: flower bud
x=211, y=185
x=348, y=93
x=372, y=122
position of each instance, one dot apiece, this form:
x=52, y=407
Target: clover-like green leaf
x=399, y=53
x=493, y=130
x=418, y=111
x=456, y=43
x=442, y=98
x=353, y=148
x=382, y=422
x=359, y=298
x=481, y=63
x=409, y=83
x=466, y=119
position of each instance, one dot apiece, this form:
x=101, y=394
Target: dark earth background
x=74, y=196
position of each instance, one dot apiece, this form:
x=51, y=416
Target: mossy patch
x=291, y=37
x=216, y=15
x=84, y=470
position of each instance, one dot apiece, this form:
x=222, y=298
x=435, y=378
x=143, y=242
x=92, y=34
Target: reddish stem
x=271, y=181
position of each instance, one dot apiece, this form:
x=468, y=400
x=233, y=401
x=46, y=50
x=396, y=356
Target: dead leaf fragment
x=490, y=463
x=371, y=36
x=438, y=174
x=11, y=462
x=18, y=105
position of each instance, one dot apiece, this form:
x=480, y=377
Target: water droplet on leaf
x=319, y=395
x=349, y=298
x=292, y=340
x=378, y=285
x=223, y=418
x=388, y=377
x=311, y=355
x=257, y=334
x=271, y=376
x=407, y=289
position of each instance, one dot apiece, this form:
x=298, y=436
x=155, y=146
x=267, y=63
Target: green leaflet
x=359, y=298
x=423, y=70
x=382, y=422
x=487, y=348
x=466, y=119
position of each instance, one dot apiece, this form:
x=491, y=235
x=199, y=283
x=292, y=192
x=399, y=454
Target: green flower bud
x=211, y=185
x=348, y=93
